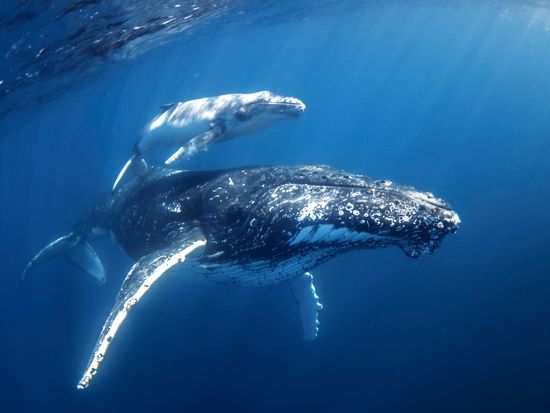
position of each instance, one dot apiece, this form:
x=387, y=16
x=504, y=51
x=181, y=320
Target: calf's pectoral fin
x=139, y=280
x=196, y=144
x=308, y=304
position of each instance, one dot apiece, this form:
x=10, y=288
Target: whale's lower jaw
x=309, y=248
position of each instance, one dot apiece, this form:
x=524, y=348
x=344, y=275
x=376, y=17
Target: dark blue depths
x=452, y=99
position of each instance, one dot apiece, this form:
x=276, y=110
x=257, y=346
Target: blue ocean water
x=450, y=97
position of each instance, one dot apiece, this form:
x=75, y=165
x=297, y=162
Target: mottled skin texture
x=272, y=214
x=194, y=125
x=255, y=226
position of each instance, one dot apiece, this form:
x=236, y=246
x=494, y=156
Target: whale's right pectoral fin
x=139, y=280
x=196, y=144
x=308, y=304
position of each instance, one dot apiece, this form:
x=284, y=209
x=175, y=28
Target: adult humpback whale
x=252, y=227
x=194, y=125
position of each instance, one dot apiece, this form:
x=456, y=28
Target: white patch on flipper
x=110, y=329
x=308, y=303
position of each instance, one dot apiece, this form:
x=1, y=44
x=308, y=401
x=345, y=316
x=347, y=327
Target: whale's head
x=323, y=208
x=424, y=221
x=269, y=105
x=254, y=111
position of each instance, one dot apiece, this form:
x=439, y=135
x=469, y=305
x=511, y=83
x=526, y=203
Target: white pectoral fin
x=308, y=304
x=139, y=280
x=196, y=144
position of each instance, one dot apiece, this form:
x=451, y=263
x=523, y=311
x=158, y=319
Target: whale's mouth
x=419, y=244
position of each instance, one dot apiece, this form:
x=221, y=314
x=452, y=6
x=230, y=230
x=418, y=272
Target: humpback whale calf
x=250, y=226
x=194, y=125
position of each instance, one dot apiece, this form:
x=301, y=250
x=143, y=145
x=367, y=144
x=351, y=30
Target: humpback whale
x=250, y=226
x=193, y=125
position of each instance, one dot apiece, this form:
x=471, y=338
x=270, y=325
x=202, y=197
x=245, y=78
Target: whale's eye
x=242, y=113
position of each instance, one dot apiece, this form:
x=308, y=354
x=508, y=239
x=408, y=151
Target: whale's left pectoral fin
x=196, y=144
x=139, y=280
x=308, y=304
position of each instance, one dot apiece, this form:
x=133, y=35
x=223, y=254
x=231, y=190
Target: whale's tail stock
x=75, y=248
x=136, y=164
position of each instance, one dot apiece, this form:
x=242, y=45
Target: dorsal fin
x=167, y=106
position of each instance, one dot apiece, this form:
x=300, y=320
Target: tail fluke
x=136, y=164
x=78, y=251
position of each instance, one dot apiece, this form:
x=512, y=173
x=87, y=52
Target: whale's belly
x=163, y=133
x=257, y=273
